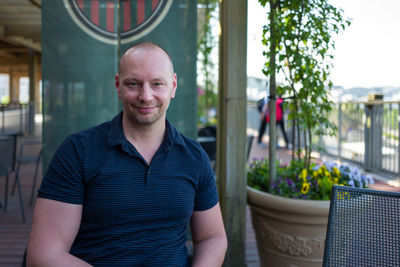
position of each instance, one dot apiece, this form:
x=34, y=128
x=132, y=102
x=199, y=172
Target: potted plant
x=289, y=204
x=290, y=213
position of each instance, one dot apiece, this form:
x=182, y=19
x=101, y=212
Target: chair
x=207, y=137
x=363, y=228
x=8, y=144
x=249, y=144
x=30, y=151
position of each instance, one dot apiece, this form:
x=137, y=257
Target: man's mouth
x=145, y=109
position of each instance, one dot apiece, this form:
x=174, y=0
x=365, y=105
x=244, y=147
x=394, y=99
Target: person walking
x=122, y=193
x=279, y=121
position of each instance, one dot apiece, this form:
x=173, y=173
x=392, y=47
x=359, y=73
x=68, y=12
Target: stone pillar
x=33, y=59
x=14, y=86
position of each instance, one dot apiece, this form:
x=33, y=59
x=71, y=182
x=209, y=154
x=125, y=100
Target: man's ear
x=117, y=84
x=174, y=85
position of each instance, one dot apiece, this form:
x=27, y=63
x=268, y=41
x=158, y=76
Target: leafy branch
x=301, y=36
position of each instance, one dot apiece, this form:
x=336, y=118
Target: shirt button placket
x=149, y=180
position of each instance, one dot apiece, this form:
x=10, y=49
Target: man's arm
x=55, y=226
x=209, y=238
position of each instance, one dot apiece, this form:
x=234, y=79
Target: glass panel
x=82, y=41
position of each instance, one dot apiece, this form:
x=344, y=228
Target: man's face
x=146, y=83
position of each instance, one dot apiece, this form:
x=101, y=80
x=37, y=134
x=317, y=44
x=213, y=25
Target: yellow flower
x=336, y=171
x=328, y=174
x=304, y=175
x=315, y=174
x=305, y=188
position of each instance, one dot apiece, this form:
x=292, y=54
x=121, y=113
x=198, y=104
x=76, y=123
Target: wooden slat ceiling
x=20, y=30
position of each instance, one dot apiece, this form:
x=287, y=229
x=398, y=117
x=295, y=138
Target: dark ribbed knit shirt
x=134, y=214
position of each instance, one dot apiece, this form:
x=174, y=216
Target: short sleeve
x=63, y=180
x=206, y=194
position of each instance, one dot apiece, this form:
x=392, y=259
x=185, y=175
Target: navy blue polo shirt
x=134, y=214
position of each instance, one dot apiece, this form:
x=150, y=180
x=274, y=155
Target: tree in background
x=300, y=46
x=207, y=42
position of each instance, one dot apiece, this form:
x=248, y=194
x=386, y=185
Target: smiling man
x=123, y=192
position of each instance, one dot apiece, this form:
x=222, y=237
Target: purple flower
x=289, y=182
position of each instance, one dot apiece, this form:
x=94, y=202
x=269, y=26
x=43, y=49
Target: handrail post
x=3, y=119
x=373, y=136
x=398, y=146
x=340, y=131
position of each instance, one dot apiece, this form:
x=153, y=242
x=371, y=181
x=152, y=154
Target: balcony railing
x=368, y=134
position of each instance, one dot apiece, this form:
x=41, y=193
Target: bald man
x=122, y=193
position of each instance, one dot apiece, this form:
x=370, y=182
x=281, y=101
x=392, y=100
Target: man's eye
x=157, y=84
x=134, y=84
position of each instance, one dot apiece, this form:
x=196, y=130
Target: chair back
x=30, y=151
x=8, y=146
x=363, y=228
x=249, y=143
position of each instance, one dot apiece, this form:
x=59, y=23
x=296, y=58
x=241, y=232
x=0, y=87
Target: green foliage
x=207, y=100
x=5, y=100
x=258, y=177
x=302, y=36
x=295, y=181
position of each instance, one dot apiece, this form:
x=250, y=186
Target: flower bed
x=293, y=181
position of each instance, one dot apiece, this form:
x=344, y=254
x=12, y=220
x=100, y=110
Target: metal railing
x=368, y=134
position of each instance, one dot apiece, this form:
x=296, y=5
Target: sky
x=367, y=53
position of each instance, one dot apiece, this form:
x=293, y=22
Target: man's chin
x=146, y=119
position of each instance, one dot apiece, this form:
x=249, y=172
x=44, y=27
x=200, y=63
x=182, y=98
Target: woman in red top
x=279, y=120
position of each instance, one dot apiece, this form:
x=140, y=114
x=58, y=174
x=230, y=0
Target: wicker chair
x=363, y=228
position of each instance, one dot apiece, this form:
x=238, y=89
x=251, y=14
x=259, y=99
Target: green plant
x=299, y=46
x=294, y=181
x=5, y=100
x=208, y=41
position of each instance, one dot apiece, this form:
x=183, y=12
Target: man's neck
x=146, y=138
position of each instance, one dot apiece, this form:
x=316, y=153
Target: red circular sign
x=106, y=20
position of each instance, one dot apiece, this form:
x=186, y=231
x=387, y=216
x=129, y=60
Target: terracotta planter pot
x=289, y=232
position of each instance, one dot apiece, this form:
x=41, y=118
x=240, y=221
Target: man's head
x=145, y=83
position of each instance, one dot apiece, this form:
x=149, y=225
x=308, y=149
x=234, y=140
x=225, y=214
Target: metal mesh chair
x=363, y=228
x=8, y=145
x=30, y=151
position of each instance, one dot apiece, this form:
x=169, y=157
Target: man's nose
x=146, y=92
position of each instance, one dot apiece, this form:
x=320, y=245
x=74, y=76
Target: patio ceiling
x=20, y=31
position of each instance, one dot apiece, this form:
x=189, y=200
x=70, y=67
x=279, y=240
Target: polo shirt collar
x=116, y=135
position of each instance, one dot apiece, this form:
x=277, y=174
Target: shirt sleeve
x=206, y=194
x=63, y=180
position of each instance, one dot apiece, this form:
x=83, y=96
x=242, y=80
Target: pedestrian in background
x=279, y=121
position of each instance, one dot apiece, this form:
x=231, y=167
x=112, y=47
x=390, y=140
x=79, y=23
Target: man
x=122, y=193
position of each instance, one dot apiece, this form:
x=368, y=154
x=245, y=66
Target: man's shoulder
x=189, y=147
x=92, y=136
x=93, y=131
x=183, y=140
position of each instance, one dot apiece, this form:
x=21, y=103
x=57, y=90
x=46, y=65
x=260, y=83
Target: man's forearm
x=209, y=252
x=59, y=259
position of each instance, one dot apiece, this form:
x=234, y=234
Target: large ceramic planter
x=289, y=232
